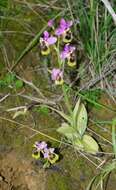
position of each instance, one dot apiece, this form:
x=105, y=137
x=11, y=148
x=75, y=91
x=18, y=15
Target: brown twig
x=93, y=82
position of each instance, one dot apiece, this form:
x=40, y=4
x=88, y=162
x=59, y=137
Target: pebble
x=1, y=178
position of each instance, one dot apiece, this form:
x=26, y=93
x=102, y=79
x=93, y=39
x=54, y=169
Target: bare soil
x=18, y=174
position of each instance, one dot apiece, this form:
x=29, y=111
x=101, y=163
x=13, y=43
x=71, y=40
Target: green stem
x=66, y=99
x=114, y=136
x=58, y=53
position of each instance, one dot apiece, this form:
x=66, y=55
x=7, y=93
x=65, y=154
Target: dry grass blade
x=4, y=97
x=110, y=9
x=32, y=86
x=38, y=100
x=98, y=78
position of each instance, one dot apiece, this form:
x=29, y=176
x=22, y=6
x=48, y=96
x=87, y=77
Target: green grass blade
x=96, y=103
x=114, y=136
x=89, y=187
x=33, y=43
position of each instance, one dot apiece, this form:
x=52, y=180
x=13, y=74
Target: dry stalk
x=110, y=9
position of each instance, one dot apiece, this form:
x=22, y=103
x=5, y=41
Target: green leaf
x=90, y=145
x=18, y=84
x=42, y=110
x=4, y=3
x=1, y=44
x=78, y=143
x=67, y=131
x=2, y=84
x=81, y=120
x=93, y=95
x=46, y=165
x=9, y=78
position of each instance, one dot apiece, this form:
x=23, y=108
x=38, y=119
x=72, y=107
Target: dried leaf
x=18, y=113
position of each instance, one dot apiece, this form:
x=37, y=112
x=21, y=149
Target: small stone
x=1, y=178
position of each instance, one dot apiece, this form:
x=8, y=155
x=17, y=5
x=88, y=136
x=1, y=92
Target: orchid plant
x=75, y=125
x=45, y=153
x=76, y=122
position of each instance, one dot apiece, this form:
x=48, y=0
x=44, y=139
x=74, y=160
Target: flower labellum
x=36, y=154
x=57, y=76
x=72, y=59
x=67, y=37
x=45, y=50
x=46, y=41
